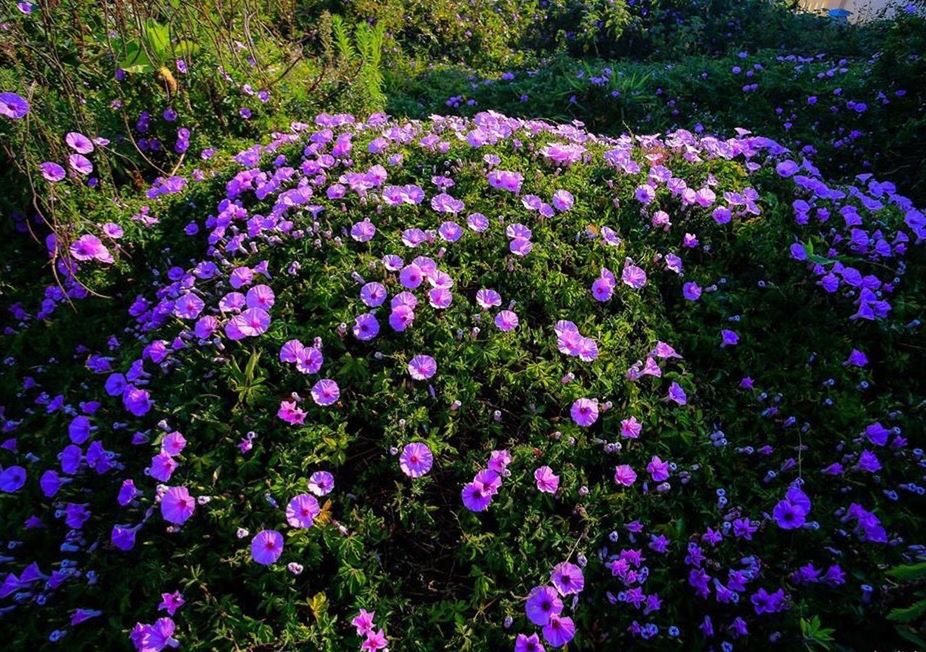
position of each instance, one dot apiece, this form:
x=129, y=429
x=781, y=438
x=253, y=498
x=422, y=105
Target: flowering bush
x=479, y=383
x=849, y=111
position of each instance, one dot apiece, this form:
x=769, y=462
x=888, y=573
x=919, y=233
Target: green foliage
x=361, y=57
x=153, y=50
x=815, y=635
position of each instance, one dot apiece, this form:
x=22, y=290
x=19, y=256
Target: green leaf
x=185, y=49
x=908, y=614
x=909, y=634
x=908, y=572
x=136, y=60
x=157, y=37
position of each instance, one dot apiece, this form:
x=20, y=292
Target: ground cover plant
x=647, y=373
x=348, y=337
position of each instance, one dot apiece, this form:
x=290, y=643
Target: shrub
x=691, y=406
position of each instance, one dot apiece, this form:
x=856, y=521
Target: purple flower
x=857, y=359
x=79, y=143
x=373, y=294
x=624, y=475
x=787, y=168
x=631, y=428
x=788, y=516
x=584, y=412
x=868, y=462
x=260, y=296
x=411, y=276
x=177, y=505
x=363, y=231
x=188, y=306
x=505, y=180
x=325, y=392
x=562, y=200
x=12, y=479
x=52, y=171
x=476, y=496
x=691, y=291
x=266, y=547
x=506, y=320
x=728, y=338
x=89, y=247
x=567, y=578
x=154, y=638
x=250, y=323
x=363, y=622
x=80, y=164
x=677, y=394
x=422, y=367
x=302, y=510
x=171, y=602
x=542, y=603
x=633, y=276
x=658, y=469
x=645, y=194
x=547, y=481
x=416, y=460
x=401, y=318
x=525, y=643
x=365, y=327
x=321, y=483
x=559, y=631
x=440, y=298
x=602, y=289
x=291, y=413
x=768, y=603
x=450, y=231
x=13, y=106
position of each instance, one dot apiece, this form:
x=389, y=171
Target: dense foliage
x=281, y=371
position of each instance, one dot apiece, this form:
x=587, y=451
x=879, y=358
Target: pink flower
x=266, y=547
x=547, y=481
x=291, y=413
x=363, y=621
x=374, y=641
x=177, y=505
x=416, y=460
